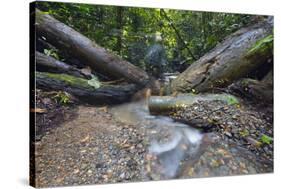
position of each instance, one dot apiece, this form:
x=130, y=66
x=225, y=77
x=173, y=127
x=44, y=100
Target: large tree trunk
x=80, y=88
x=98, y=58
x=50, y=64
x=238, y=55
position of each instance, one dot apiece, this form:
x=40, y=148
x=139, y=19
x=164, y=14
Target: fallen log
x=41, y=45
x=50, y=64
x=99, y=59
x=167, y=104
x=234, y=58
x=81, y=88
x=268, y=78
x=260, y=92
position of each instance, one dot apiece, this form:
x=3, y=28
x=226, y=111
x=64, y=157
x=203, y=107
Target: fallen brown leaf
x=38, y=110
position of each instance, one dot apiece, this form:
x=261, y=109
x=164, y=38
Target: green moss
x=70, y=80
x=229, y=99
x=262, y=46
x=38, y=16
x=244, y=133
x=94, y=82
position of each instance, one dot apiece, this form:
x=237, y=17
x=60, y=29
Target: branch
x=177, y=33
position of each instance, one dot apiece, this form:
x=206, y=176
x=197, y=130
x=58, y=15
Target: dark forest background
x=129, y=31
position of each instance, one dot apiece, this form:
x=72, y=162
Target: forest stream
x=170, y=142
x=126, y=143
x=127, y=94
x=175, y=147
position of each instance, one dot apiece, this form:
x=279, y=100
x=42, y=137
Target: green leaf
x=266, y=139
x=62, y=97
x=47, y=52
x=94, y=82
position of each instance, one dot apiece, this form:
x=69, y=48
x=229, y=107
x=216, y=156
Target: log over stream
x=111, y=107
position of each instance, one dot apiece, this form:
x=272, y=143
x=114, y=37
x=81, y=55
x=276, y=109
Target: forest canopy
x=129, y=31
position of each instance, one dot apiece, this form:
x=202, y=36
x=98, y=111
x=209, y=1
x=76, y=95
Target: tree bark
x=238, y=55
x=260, y=92
x=98, y=58
x=41, y=45
x=107, y=94
x=50, y=64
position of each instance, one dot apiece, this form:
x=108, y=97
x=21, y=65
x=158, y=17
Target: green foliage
x=128, y=31
x=262, y=46
x=62, y=97
x=266, y=139
x=51, y=52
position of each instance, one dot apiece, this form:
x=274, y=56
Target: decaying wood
x=99, y=59
x=234, y=58
x=260, y=92
x=50, y=64
x=80, y=88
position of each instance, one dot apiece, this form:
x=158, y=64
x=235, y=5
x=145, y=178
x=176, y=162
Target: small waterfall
x=183, y=143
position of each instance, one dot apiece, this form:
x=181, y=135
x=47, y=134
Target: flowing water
x=169, y=142
x=177, y=150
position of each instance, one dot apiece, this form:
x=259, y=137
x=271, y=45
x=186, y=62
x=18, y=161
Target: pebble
x=100, y=159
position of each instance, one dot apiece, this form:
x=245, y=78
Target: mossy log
x=236, y=57
x=99, y=59
x=50, y=64
x=167, y=104
x=80, y=88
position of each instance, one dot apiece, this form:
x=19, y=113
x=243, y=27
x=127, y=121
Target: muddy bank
x=51, y=113
x=91, y=149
